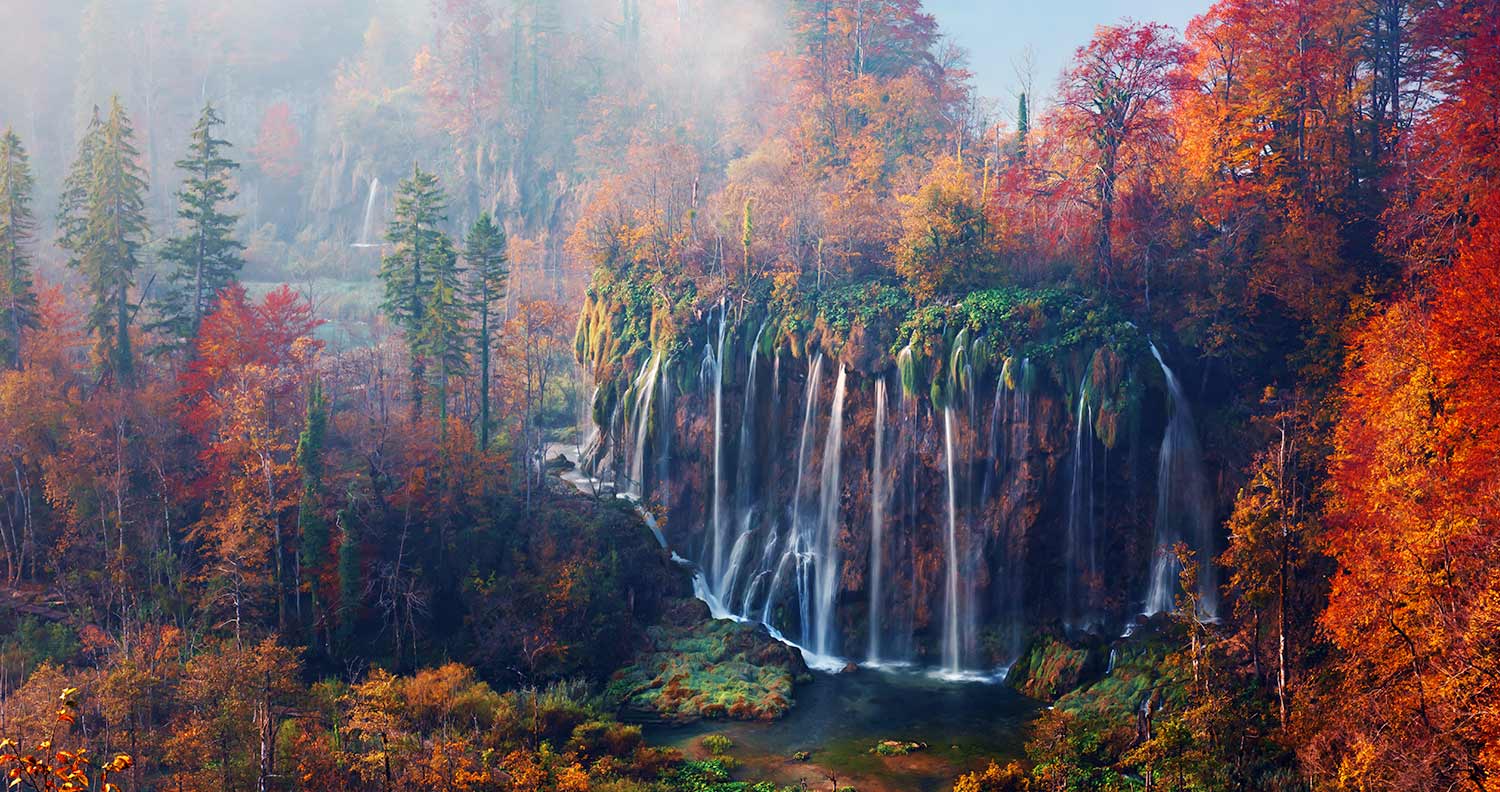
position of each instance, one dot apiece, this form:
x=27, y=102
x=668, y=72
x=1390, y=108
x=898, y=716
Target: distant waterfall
x=877, y=524
x=369, y=221
x=1184, y=507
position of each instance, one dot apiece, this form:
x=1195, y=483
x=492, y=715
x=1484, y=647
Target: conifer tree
x=103, y=225
x=205, y=256
x=1023, y=126
x=17, y=231
x=484, y=253
x=419, y=249
x=312, y=527
x=440, y=339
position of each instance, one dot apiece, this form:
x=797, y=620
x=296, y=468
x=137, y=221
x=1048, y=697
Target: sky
x=996, y=33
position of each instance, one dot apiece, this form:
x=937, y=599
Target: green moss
x=711, y=669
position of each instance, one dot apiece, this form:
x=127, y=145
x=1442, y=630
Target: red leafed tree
x=242, y=394
x=278, y=146
x=1415, y=606
x=1115, y=103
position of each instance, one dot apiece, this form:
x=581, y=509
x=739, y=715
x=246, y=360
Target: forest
x=714, y=396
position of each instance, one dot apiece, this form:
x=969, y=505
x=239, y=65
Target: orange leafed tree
x=242, y=394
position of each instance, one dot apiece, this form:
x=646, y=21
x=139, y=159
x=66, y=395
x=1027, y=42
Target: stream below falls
x=838, y=719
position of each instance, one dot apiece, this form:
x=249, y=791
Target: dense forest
x=569, y=394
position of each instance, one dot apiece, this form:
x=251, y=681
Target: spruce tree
x=1023, y=126
x=484, y=253
x=419, y=247
x=205, y=257
x=103, y=224
x=18, y=310
x=440, y=339
x=312, y=527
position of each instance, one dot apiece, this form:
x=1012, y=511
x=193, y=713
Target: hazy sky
x=996, y=32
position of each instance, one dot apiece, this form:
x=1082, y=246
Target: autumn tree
x=17, y=232
x=1114, y=101
x=944, y=245
x=485, y=255
x=103, y=227
x=241, y=389
x=205, y=257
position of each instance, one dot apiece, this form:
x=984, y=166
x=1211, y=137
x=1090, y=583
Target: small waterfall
x=645, y=390
x=951, y=639
x=827, y=552
x=1079, y=555
x=369, y=221
x=1184, y=507
x=877, y=523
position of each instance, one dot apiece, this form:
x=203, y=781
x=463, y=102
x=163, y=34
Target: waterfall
x=795, y=542
x=1079, y=560
x=645, y=389
x=720, y=527
x=369, y=221
x=1184, y=507
x=877, y=522
x=827, y=552
x=951, y=639
x=745, y=489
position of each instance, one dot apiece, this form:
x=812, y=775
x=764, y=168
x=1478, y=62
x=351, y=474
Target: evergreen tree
x=311, y=525
x=1023, y=126
x=484, y=253
x=103, y=223
x=17, y=231
x=205, y=257
x=440, y=340
x=419, y=248
x=350, y=579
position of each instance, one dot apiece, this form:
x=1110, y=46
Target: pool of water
x=839, y=718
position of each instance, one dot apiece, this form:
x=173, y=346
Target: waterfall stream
x=951, y=638
x=877, y=524
x=1184, y=507
x=369, y=219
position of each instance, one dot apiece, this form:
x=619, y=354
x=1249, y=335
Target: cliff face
x=886, y=483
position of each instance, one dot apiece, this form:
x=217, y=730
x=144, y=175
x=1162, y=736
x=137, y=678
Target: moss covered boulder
x=697, y=667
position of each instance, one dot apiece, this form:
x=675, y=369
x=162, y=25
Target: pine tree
x=103, y=224
x=312, y=527
x=17, y=231
x=1023, y=126
x=205, y=257
x=440, y=340
x=484, y=253
x=418, y=248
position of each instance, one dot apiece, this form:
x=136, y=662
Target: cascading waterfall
x=720, y=525
x=1184, y=507
x=827, y=548
x=369, y=220
x=877, y=524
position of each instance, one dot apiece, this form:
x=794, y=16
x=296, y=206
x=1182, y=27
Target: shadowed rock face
x=1015, y=493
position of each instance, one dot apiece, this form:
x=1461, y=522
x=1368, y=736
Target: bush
x=717, y=744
